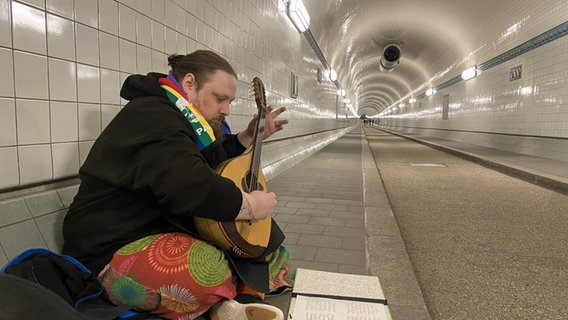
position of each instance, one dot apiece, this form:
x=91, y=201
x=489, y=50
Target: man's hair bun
x=174, y=60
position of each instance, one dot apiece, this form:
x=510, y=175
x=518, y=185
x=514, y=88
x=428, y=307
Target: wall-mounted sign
x=516, y=73
x=445, y=107
x=293, y=85
x=320, y=75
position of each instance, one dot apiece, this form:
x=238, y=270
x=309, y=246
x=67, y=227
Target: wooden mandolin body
x=239, y=238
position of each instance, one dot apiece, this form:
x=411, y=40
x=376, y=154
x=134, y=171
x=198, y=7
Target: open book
x=319, y=295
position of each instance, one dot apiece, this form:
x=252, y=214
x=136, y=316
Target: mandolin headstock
x=257, y=88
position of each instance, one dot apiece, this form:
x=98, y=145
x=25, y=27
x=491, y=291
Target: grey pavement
x=549, y=173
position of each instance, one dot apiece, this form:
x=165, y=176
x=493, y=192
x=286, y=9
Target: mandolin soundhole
x=250, y=183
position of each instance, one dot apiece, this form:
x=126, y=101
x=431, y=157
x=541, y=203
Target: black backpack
x=41, y=284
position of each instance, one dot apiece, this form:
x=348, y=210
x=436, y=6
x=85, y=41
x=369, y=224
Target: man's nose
x=225, y=109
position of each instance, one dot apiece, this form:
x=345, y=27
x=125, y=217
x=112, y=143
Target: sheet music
x=315, y=308
x=337, y=284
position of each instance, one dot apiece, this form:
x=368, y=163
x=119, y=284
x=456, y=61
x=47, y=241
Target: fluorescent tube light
x=299, y=15
x=469, y=73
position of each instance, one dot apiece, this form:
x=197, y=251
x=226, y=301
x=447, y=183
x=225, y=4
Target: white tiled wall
x=65, y=60
x=529, y=115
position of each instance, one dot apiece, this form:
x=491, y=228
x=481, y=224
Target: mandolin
x=243, y=238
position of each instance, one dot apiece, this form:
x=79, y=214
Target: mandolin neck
x=257, y=148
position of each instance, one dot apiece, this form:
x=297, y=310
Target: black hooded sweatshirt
x=145, y=175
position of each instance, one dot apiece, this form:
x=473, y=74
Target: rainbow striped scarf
x=201, y=127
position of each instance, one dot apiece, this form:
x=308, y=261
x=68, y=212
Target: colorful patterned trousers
x=176, y=276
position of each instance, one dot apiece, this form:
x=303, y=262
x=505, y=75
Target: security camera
x=390, y=58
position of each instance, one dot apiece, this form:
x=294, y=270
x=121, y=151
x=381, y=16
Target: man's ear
x=188, y=83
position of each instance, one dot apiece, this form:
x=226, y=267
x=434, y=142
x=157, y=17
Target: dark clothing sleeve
x=145, y=175
x=232, y=145
x=217, y=152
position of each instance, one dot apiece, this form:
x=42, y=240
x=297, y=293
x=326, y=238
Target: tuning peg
x=251, y=90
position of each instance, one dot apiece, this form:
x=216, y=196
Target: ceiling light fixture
x=469, y=73
x=299, y=15
x=332, y=75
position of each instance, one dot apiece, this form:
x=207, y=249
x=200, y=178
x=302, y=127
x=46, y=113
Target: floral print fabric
x=172, y=275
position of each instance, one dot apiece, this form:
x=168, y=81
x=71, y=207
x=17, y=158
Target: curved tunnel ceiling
x=438, y=40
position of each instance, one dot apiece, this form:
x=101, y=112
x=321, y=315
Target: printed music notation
x=317, y=308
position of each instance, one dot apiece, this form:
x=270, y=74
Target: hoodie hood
x=138, y=85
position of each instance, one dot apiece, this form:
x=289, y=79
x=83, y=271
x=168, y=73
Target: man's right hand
x=257, y=205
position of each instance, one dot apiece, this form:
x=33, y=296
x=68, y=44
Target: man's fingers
x=275, y=113
x=278, y=111
x=279, y=125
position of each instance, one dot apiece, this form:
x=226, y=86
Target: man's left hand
x=272, y=125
